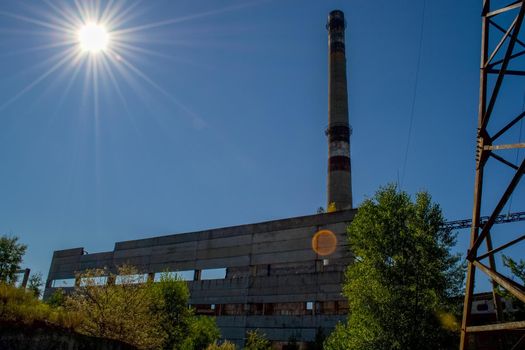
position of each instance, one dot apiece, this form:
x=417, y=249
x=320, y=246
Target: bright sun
x=93, y=38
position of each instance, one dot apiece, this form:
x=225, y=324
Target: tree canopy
x=116, y=310
x=11, y=253
x=403, y=286
x=145, y=314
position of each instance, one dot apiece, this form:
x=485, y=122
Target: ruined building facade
x=265, y=276
x=282, y=277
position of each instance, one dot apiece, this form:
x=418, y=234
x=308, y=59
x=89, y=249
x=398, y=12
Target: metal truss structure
x=499, y=58
x=500, y=219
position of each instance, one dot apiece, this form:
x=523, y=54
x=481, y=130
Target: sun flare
x=93, y=38
x=99, y=43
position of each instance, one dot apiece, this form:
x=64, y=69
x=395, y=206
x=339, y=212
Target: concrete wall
x=274, y=280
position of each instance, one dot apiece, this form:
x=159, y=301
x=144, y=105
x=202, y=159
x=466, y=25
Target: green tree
x=255, y=340
x=35, y=283
x=203, y=332
x=118, y=310
x=57, y=299
x=11, y=253
x=402, y=285
x=182, y=329
x=171, y=296
x=517, y=269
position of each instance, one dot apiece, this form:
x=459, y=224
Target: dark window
x=257, y=308
x=482, y=307
x=204, y=309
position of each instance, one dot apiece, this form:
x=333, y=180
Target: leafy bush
x=145, y=314
x=135, y=311
x=224, y=346
x=57, y=299
x=256, y=340
x=117, y=311
x=203, y=332
x=21, y=306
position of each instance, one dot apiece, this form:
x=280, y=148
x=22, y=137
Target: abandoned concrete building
x=282, y=277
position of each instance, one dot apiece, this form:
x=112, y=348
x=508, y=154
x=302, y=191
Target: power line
x=414, y=93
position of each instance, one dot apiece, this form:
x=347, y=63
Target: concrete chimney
x=338, y=132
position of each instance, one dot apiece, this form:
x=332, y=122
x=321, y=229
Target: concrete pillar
x=26, y=277
x=111, y=280
x=151, y=276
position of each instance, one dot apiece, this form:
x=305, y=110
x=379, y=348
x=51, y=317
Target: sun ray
x=71, y=80
x=68, y=17
x=116, y=63
x=138, y=87
x=87, y=82
x=185, y=18
x=42, y=64
x=105, y=13
x=118, y=17
x=96, y=8
x=114, y=82
x=84, y=15
x=196, y=118
x=96, y=104
x=27, y=32
x=50, y=15
x=107, y=69
x=38, y=80
x=37, y=48
x=130, y=48
x=34, y=21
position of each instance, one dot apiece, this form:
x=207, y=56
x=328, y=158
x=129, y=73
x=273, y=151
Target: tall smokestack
x=338, y=132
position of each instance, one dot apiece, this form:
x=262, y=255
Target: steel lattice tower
x=502, y=51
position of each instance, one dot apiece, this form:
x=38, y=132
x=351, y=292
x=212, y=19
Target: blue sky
x=220, y=121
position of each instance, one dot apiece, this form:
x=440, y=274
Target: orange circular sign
x=324, y=242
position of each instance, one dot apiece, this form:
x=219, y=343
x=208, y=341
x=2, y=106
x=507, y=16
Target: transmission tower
x=502, y=46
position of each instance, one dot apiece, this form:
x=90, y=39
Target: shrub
x=224, y=346
x=117, y=311
x=21, y=306
x=139, y=312
x=256, y=340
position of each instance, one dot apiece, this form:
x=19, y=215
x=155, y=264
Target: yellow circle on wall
x=324, y=242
